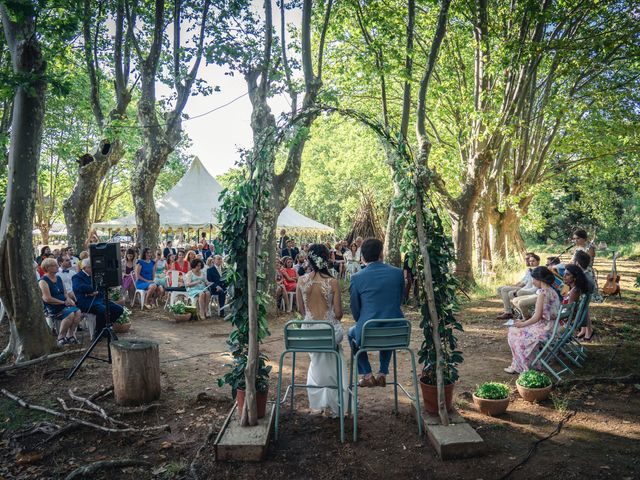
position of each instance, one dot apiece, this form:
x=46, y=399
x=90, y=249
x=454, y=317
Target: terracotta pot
x=430, y=396
x=121, y=327
x=181, y=317
x=261, y=400
x=491, y=407
x=533, y=394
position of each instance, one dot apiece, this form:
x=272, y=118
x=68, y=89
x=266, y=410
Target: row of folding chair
x=563, y=347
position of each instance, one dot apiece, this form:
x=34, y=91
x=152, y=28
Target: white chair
x=292, y=295
x=174, y=281
x=89, y=321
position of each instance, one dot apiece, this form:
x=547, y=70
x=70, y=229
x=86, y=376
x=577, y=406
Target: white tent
x=193, y=203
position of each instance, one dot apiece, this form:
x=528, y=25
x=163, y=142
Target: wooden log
x=136, y=372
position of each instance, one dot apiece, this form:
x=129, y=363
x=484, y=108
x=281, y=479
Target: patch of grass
x=14, y=417
x=173, y=469
x=560, y=402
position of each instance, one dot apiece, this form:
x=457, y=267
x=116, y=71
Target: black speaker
x=106, y=269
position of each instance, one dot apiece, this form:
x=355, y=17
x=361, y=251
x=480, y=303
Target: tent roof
x=193, y=202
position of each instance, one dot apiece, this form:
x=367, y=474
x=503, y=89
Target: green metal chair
x=320, y=339
x=392, y=334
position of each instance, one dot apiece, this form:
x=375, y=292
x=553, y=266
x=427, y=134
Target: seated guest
x=338, y=262
x=74, y=260
x=582, y=259
x=352, y=258
x=291, y=251
x=281, y=291
x=59, y=304
x=282, y=241
x=583, y=244
x=216, y=279
x=190, y=257
x=128, y=273
x=507, y=292
x=66, y=273
x=44, y=253
x=83, y=256
x=525, y=335
x=160, y=278
x=555, y=265
x=301, y=264
x=145, y=274
x=181, y=264
x=205, y=249
x=208, y=263
x=168, y=250
x=92, y=301
x=289, y=274
x=576, y=281
x=196, y=282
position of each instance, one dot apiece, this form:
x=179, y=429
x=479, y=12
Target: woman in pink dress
x=525, y=335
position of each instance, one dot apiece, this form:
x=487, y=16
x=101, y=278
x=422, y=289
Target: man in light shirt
x=522, y=288
x=66, y=273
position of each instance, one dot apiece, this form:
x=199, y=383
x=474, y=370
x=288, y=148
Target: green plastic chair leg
x=278, y=393
x=395, y=382
x=293, y=379
x=416, y=392
x=350, y=384
x=355, y=401
x=340, y=395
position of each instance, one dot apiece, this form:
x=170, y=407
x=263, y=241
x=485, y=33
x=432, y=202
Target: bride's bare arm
x=299, y=301
x=337, y=299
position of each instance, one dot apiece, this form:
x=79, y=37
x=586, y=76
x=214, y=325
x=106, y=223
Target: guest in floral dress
x=525, y=335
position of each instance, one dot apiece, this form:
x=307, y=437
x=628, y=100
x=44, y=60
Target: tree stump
x=136, y=372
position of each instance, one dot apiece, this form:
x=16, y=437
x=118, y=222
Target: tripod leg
x=73, y=371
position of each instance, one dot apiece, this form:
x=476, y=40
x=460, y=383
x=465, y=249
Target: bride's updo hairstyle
x=318, y=257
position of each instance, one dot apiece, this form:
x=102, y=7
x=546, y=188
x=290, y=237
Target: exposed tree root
x=95, y=426
x=192, y=468
x=87, y=470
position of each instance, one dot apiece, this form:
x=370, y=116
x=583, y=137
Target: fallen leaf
x=180, y=410
x=91, y=449
x=28, y=457
x=166, y=445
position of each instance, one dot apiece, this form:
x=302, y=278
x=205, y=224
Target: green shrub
x=124, y=318
x=492, y=391
x=533, y=379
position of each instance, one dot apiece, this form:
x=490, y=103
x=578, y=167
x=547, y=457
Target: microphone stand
x=563, y=252
x=106, y=331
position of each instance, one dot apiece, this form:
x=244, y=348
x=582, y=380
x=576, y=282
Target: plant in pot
x=533, y=386
x=235, y=378
x=492, y=398
x=122, y=324
x=115, y=295
x=180, y=313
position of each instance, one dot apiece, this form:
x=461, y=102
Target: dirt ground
x=602, y=439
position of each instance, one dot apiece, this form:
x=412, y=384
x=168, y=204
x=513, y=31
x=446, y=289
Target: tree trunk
x=507, y=238
x=393, y=234
x=463, y=239
x=142, y=186
x=77, y=208
x=18, y=289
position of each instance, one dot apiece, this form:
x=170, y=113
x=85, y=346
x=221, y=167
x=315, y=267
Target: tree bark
x=18, y=289
x=393, y=233
x=77, y=207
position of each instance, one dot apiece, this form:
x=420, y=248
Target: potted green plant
x=122, y=324
x=492, y=398
x=180, y=312
x=115, y=295
x=533, y=386
x=236, y=380
x=428, y=386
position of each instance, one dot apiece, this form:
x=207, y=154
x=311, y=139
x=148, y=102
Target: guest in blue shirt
x=145, y=273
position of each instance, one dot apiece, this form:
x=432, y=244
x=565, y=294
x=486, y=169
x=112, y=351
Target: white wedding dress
x=317, y=297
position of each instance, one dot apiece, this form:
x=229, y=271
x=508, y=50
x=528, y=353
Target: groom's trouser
x=364, y=367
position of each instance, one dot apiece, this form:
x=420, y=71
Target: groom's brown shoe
x=381, y=380
x=368, y=382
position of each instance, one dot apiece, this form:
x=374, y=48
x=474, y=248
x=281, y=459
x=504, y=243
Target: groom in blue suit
x=376, y=293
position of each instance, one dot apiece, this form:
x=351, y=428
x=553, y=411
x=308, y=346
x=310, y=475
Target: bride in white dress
x=318, y=298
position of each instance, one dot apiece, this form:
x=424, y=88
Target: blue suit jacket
x=376, y=292
x=82, y=287
x=214, y=278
